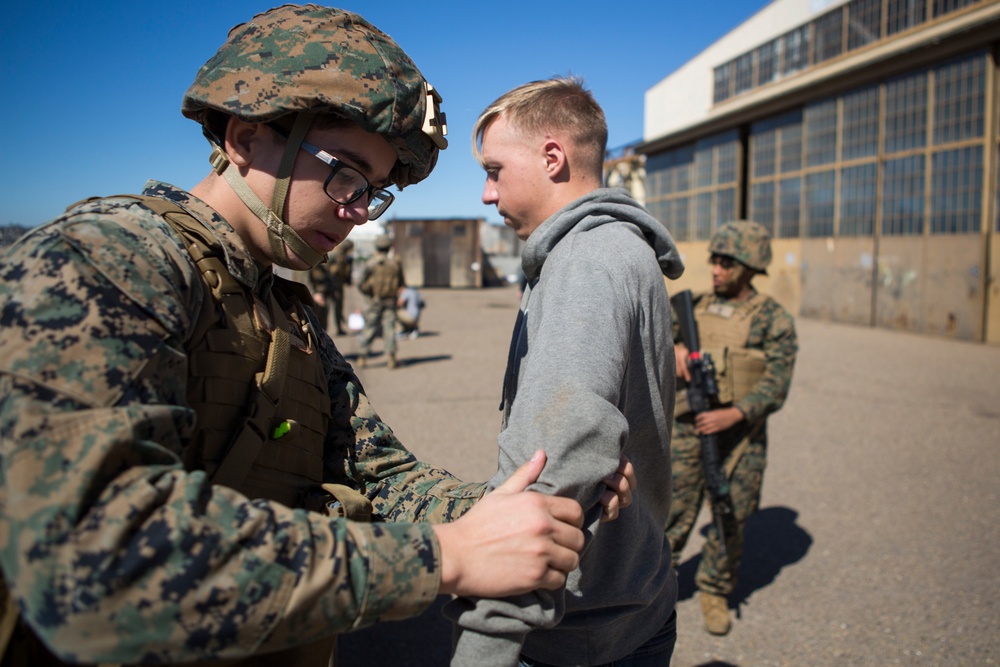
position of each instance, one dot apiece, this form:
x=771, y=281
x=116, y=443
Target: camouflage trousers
x=714, y=575
x=380, y=318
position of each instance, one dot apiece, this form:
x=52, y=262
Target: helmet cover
x=310, y=58
x=747, y=242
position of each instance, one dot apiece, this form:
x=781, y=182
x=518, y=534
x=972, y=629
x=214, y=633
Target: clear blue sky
x=92, y=90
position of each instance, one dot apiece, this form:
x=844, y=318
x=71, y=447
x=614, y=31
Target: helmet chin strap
x=279, y=233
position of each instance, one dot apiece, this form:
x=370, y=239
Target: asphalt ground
x=878, y=536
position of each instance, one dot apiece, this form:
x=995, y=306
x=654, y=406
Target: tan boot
x=362, y=360
x=392, y=361
x=715, y=609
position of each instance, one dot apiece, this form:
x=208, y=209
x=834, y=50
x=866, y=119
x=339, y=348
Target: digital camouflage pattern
x=108, y=543
x=749, y=243
x=324, y=60
x=772, y=330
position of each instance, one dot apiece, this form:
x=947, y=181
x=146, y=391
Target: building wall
x=439, y=253
x=685, y=97
x=880, y=188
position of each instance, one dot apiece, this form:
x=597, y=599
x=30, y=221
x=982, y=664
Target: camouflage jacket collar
x=238, y=260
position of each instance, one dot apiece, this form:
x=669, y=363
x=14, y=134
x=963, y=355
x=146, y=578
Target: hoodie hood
x=601, y=207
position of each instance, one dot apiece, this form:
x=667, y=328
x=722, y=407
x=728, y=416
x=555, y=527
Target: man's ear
x=556, y=160
x=243, y=139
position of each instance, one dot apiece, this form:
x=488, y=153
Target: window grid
x=960, y=100
x=763, y=148
x=956, y=190
x=727, y=161
x=860, y=124
x=789, y=207
x=703, y=216
x=795, y=50
x=904, y=14
x=767, y=63
x=820, y=198
x=823, y=38
x=721, y=88
x=725, y=205
x=857, y=200
x=744, y=73
x=944, y=6
x=903, y=196
x=864, y=23
x=762, y=204
x=681, y=218
x=927, y=179
x=821, y=132
x=906, y=113
x=828, y=36
x=791, y=145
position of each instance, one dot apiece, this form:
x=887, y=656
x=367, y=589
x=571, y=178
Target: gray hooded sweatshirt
x=590, y=377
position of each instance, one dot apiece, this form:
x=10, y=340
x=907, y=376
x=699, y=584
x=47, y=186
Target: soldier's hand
x=512, y=541
x=716, y=421
x=681, y=356
x=620, y=485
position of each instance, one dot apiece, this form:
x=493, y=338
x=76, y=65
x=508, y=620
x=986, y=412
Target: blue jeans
x=656, y=652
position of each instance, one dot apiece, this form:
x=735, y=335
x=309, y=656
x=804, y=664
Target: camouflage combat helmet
x=383, y=242
x=307, y=60
x=749, y=243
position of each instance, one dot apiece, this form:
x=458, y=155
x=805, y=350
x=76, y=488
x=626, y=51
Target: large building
x=864, y=135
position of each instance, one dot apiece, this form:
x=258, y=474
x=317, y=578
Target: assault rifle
x=702, y=395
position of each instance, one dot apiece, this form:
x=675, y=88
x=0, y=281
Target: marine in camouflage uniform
x=380, y=283
x=328, y=279
x=143, y=340
x=752, y=340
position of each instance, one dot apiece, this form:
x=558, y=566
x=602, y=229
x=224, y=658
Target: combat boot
x=392, y=361
x=362, y=360
x=715, y=609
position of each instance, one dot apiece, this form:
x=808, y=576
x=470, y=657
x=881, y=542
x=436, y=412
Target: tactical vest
x=256, y=383
x=723, y=330
x=254, y=371
x=382, y=278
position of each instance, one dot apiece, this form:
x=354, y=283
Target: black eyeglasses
x=345, y=184
x=722, y=260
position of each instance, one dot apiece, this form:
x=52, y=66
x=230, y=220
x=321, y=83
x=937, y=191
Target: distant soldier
x=380, y=282
x=328, y=280
x=752, y=340
x=341, y=267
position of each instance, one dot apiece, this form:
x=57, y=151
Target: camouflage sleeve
x=115, y=553
x=364, y=449
x=773, y=331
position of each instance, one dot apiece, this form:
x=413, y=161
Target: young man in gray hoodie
x=590, y=376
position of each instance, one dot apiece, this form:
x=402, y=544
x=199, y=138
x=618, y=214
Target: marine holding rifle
x=751, y=341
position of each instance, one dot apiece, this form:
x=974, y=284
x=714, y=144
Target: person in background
x=752, y=341
x=341, y=268
x=409, y=305
x=328, y=280
x=380, y=283
x=590, y=374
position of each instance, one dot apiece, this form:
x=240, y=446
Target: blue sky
x=92, y=90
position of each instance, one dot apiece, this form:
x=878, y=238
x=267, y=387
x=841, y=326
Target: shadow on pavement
x=773, y=541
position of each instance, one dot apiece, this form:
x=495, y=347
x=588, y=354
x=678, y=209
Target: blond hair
x=559, y=104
